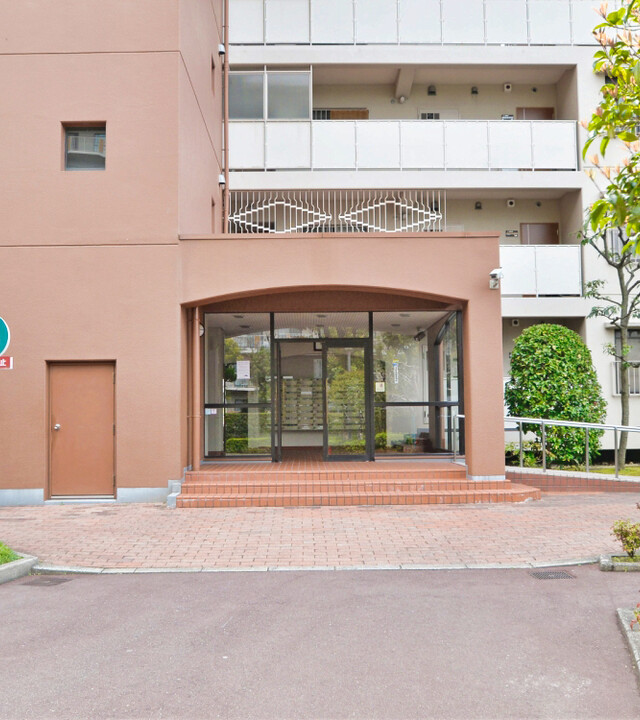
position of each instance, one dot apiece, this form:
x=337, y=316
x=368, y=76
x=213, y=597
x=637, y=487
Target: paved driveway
x=394, y=644
x=555, y=529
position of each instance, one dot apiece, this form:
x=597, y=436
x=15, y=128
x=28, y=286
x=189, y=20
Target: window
x=633, y=345
x=85, y=147
x=246, y=92
x=288, y=94
x=275, y=95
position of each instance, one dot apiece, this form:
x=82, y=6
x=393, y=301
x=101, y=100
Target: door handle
x=56, y=426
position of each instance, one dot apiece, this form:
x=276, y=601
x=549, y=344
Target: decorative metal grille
x=341, y=211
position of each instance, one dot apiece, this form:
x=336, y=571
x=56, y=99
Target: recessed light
x=405, y=314
x=245, y=327
x=395, y=324
x=238, y=317
x=321, y=315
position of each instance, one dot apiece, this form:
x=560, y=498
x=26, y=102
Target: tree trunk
x=624, y=369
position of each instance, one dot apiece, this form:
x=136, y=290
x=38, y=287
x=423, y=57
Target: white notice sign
x=243, y=369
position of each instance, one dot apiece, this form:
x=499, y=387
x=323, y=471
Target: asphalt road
x=349, y=644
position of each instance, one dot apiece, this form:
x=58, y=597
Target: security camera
x=508, y=87
x=221, y=50
x=420, y=335
x=511, y=203
x=494, y=278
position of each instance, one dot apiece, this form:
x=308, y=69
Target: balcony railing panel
x=506, y=22
x=403, y=144
x=419, y=22
x=463, y=22
x=423, y=22
x=541, y=270
x=287, y=21
x=332, y=22
x=331, y=211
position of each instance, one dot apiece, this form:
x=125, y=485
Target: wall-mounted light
x=431, y=90
x=221, y=50
x=478, y=205
x=221, y=181
x=474, y=90
x=494, y=278
x=402, y=99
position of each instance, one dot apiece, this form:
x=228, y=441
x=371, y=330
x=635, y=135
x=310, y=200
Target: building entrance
x=323, y=402
x=332, y=386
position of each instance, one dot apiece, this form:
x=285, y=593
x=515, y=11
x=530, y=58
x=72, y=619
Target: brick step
x=510, y=493
x=329, y=485
x=244, y=476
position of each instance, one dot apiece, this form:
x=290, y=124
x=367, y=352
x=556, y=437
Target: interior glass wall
x=350, y=385
x=413, y=403
x=237, y=384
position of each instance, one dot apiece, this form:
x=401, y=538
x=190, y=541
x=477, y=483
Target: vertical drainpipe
x=225, y=70
x=196, y=391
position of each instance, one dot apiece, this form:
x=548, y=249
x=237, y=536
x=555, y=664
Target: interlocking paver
x=556, y=528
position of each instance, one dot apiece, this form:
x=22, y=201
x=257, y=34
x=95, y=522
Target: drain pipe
x=225, y=70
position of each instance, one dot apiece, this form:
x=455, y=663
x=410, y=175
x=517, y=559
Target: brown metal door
x=81, y=428
x=535, y=113
x=539, y=233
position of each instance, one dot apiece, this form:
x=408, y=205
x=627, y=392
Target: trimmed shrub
x=552, y=377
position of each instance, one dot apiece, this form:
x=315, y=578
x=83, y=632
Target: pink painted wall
x=201, y=93
x=135, y=199
x=100, y=303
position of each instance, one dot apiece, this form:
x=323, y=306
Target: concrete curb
x=608, y=563
x=632, y=636
x=17, y=568
x=70, y=569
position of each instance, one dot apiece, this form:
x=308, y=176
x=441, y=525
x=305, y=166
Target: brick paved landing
x=307, y=482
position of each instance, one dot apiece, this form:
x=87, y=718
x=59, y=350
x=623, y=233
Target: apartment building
x=399, y=198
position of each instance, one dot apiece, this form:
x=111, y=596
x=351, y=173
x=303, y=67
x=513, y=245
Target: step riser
x=288, y=488
x=358, y=499
x=293, y=477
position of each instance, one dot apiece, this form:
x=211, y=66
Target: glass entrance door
x=347, y=400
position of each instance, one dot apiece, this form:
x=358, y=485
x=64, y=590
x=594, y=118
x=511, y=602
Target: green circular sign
x=5, y=336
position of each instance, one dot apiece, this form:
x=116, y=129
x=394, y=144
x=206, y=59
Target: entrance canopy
x=338, y=385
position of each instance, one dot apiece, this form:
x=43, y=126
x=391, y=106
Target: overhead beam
x=404, y=82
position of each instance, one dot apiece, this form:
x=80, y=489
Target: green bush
x=552, y=377
x=236, y=425
x=237, y=445
x=628, y=534
x=7, y=555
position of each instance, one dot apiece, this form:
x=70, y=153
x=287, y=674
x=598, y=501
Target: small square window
x=85, y=148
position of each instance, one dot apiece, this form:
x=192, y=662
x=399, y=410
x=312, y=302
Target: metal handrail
x=543, y=422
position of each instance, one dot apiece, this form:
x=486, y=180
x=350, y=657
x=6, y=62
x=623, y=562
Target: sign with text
x=5, y=337
x=243, y=370
x=6, y=363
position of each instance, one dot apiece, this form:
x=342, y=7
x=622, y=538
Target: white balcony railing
x=403, y=145
x=413, y=22
x=541, y=270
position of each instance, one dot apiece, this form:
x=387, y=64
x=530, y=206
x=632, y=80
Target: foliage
x=531, y=453
x=628, y=534
x=636, y=613
x=552, y=377
x=612, y=225
x=616, y=118
x=7, y=555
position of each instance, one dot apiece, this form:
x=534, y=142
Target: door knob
x=56, y=426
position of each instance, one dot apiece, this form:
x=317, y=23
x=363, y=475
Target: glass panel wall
x=246, y=96
x=415, y=391
x=321, y=325
x=288, y=94
x=346, y=401
x=237, y=379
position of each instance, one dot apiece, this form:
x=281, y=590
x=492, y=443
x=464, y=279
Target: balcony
x=403, y=145
x=541, y=270
x=412, y=22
